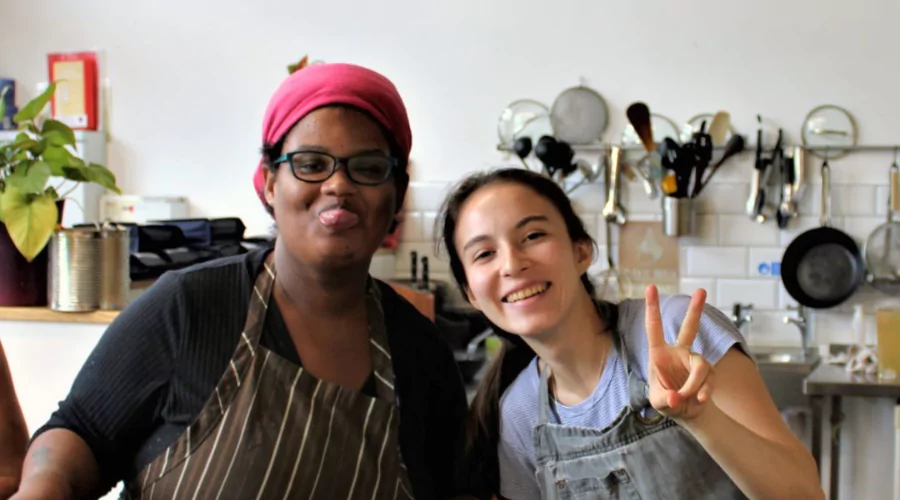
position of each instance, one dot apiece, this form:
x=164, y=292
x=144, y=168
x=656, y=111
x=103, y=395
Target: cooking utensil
x=799, y=184
x=524, y=117
x=832, y=127
x=823, y=266
x=647, y=176
x=882, y=248
x=563, y=155
x=544, y=152
x=613, y=211
x=787, y=209
x=719, y=127
x=756, y=204
x=669, y=185
x=668, y=152
x=579, y=115
x=423, y=285
x=702, y=146
x=639, y=115
x=734, y=146
x=522, y=147
x=687, y=130
x=611, y=270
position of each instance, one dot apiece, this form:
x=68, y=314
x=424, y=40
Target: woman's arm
x=13, y=432
x=743, y=431
x=59, y=465
x=90, y=442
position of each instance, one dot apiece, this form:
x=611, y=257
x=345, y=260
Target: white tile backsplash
x=411, y=227
x=881, y=200
x=853, y=200
x=724, y=198
x=765, y=262
x=739, y=230
x=861, y=227
x=691, y=285
x=706, y=231
x=425, y=196
x=801, y=224
x=428, y=220
x=716, y=262
x=724, y=254
x=762, y=293
x=769, y=328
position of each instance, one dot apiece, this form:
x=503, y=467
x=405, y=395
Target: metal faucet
x=801, y=321
x=472, y=346
x=740, y=314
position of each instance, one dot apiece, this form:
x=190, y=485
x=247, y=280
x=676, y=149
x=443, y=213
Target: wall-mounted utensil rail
x=599, y=148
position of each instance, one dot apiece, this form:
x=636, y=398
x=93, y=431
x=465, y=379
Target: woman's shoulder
x=519, y=401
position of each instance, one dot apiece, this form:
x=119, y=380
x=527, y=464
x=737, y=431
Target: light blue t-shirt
x=519, y=403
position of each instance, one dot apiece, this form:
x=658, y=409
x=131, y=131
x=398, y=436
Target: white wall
x=191, y=78
x=190, y=81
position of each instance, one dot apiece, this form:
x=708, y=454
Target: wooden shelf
x=48, y=315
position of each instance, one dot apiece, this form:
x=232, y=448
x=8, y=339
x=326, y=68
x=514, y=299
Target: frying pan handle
x=826, y=195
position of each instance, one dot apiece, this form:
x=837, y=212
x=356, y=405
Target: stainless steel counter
x=835, y=382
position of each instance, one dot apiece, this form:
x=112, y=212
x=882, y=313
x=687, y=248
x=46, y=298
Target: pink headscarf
x=320, y=85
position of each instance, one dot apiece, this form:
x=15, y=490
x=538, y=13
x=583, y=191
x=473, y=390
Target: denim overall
x=635, y=456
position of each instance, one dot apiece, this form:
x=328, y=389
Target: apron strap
x=638, y=390
x=259, y=303
x=382, y=362
x=543, y=393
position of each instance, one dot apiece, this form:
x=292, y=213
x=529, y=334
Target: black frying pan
x=824, y=266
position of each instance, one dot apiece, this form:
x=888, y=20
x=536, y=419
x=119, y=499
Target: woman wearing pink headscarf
x=284, y=373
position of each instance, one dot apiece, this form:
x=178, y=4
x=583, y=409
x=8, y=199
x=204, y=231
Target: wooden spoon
x=639, y=116
x=719, y=127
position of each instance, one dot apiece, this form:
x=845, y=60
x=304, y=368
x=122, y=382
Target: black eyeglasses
x=314, y=166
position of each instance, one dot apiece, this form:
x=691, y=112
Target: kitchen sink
x=783, y=370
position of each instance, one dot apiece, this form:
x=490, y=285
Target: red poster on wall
x=75, y=100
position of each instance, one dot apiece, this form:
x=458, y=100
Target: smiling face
x=522, y=267
x=336, y=223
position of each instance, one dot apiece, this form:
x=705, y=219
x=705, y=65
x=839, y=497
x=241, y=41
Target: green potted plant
x=33, y=168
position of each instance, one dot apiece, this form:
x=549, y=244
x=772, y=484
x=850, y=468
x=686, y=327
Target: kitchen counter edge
x=45, y=314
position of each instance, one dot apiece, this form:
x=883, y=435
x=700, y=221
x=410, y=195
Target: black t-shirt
x=160, y=360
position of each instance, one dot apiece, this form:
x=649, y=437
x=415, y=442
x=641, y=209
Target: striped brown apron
x=272, y=430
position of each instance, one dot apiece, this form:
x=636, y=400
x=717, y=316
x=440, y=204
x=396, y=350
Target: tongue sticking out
x=338, y=219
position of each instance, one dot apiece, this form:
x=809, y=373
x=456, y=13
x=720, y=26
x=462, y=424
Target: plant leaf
x=30, y=220
x=58, y=157
x=24, y=143
x=38, y=148
x=60, y=133
x=103, y=176
x=78, y=174
x=3, y=101
x=36, y=105
x=30, y=177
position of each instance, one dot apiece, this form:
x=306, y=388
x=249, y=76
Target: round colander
x=579, y=116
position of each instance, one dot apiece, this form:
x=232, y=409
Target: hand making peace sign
x=680, y=380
